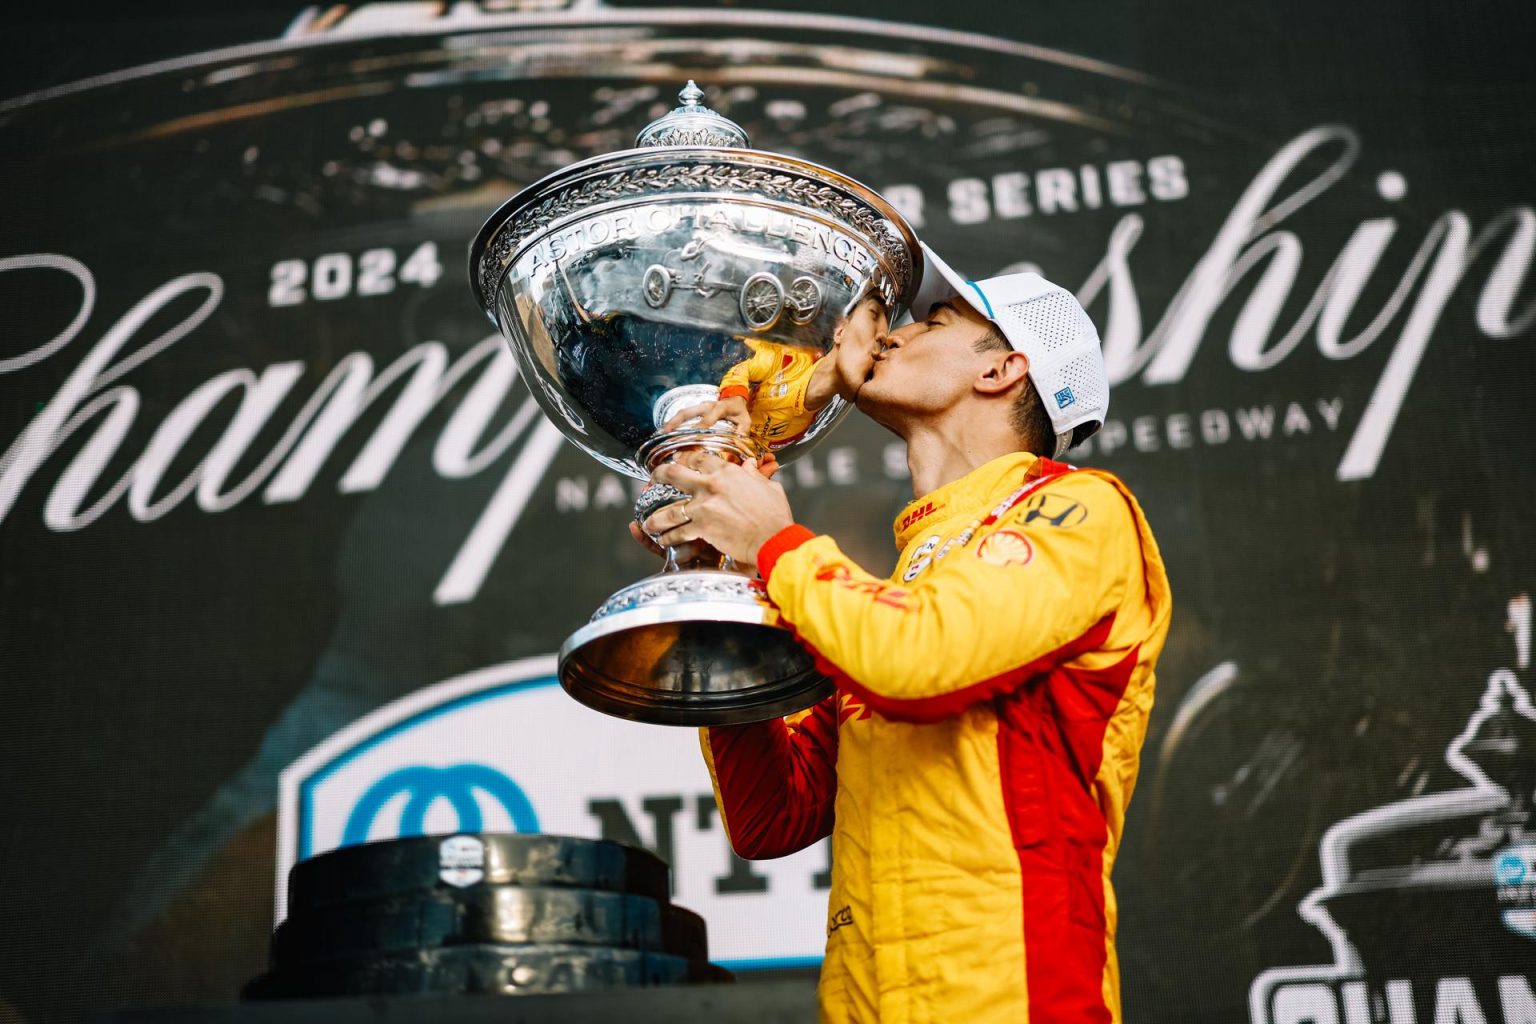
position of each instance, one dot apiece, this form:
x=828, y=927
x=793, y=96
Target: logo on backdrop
x=424, y=785
x=1448, y=879
x=504, y=749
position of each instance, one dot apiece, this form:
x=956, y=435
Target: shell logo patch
x=1005, y=547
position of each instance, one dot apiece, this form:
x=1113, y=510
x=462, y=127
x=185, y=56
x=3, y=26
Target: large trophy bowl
x=635, y=286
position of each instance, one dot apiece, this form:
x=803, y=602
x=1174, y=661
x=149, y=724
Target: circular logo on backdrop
x=1509, y=869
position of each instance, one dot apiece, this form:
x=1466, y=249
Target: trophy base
x=700, y=647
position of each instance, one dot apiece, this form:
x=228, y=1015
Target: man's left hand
x=733, y=507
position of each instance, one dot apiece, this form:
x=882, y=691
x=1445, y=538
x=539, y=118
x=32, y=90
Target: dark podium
x=492, y=927
x=753, y=1002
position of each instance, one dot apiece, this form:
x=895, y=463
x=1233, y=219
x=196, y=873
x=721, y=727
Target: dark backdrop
x=1344, y=571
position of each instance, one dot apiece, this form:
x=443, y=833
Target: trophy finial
x=692, y=124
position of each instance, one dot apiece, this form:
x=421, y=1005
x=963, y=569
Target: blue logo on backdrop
x=426, y=785
x=1509, y=869
x=1064, y=398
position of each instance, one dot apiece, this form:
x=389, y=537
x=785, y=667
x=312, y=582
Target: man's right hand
x=767, y=466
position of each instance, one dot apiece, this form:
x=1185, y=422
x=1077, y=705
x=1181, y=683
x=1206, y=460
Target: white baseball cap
x=1046, y=323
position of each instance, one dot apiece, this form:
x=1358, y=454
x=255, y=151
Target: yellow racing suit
x=974, y=766
x=774, y=382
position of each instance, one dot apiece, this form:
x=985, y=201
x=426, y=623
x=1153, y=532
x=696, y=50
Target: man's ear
x=1002, y=373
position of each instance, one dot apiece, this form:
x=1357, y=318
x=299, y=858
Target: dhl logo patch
x=882, y=592
x=917, y=515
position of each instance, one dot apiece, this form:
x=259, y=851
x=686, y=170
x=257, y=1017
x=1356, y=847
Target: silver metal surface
x=693, y=124
x=635, y=285
x=624, y=277
x=690, y=648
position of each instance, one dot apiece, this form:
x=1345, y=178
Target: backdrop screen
x=286, y=545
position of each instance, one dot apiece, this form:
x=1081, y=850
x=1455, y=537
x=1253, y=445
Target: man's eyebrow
x=939, y=307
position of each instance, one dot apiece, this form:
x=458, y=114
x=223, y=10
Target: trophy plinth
x=634, y=286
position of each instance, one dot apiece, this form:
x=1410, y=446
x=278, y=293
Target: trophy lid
x=692, y=124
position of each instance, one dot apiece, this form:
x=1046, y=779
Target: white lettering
x=1357, y=1006
x=454, y=455
x=1111, y=436
x=1375, y=426
x=842, y=466
x=1010, y=195
x=1215, y=428
x=261, y=397
x=1124, y=179
x=1516, y=1000
x=1306, y=1004
x=1121, y=336
x=571, y=494
x=467, y=572
x=1400, y=1002
x=1498, y=297
x=1166, y=180
x=610, y=493
x=65, y=414
x=908, y=200
x=1296, y=421
x=72, y=267
x=968, y=201
x=1179, y=431
x=1456, y=1003
x=1353, y=268
x=1056, y=189
x=1173, y=342
x=1255, y=423
x=1093, y=194
x=1262, y=309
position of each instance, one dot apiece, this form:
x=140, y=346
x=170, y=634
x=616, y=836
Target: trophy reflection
x=773, y=396
x=680, y=300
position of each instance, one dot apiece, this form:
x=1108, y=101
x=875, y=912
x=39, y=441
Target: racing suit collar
x=968, y=494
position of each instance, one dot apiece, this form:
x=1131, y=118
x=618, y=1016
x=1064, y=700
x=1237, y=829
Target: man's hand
x=735, y=508
x=708, y=414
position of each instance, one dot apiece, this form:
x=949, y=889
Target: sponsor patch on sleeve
x=1050, y=508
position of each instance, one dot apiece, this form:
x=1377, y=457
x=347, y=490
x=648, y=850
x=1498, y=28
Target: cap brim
x=940, y=284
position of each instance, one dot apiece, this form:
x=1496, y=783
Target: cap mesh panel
x=1055, y=319
x=1053, y=326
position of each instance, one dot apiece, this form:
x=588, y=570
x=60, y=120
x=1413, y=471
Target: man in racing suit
x=975, y=764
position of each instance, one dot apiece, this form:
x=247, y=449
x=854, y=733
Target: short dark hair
x=1029, y=417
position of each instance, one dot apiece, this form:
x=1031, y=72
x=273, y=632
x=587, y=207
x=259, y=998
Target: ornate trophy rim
x=903, y=249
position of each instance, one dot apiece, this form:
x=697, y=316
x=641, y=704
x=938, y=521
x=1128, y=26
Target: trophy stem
x=687, y=445
x=699, y=643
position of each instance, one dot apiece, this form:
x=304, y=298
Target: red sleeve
x=775, y=782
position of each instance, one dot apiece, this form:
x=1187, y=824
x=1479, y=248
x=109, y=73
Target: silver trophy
x=631, y=287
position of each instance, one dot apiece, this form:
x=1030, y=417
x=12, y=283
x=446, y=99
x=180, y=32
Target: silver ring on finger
x=683, y=508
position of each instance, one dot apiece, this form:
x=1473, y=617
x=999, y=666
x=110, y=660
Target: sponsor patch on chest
x=1005, y=547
